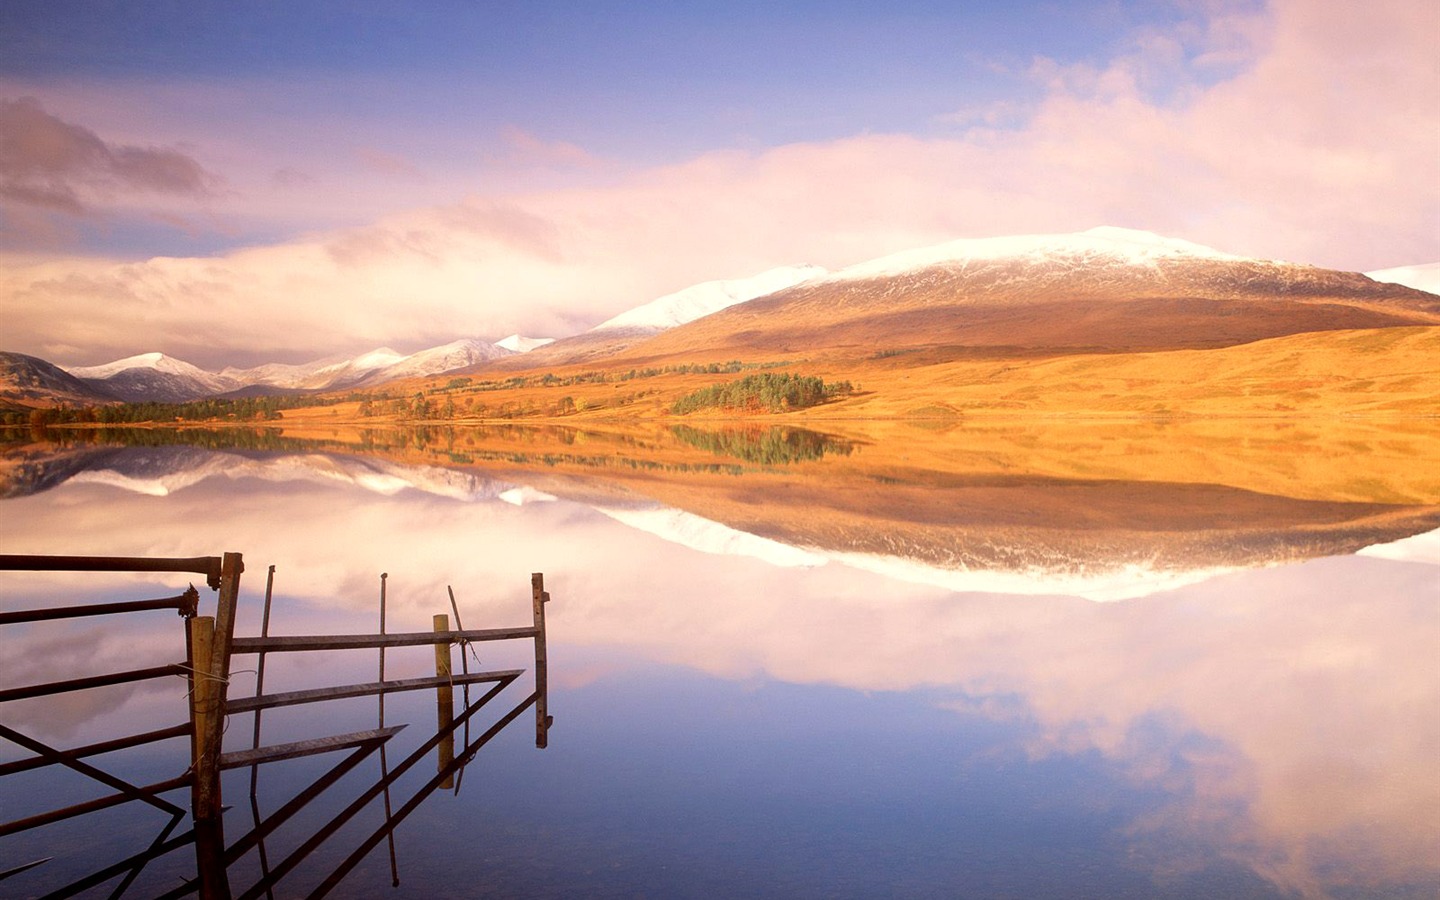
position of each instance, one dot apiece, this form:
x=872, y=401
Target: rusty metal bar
x=300, y=801
x=143, y=859
x=96, y=878
x=86, y=769
x=384, y=761
x=184, y=603
x=256, y=836
x=338, y=821
x=419, y=797
x=284, y=643
x=25, y=867
x=255, y=744
x=464, y=670
x=209, y=566
x=127, y=794
x=314, y=695
x=80, y=684
x=136, y=740
x=260, y=667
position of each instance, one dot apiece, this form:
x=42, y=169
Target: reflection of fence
x=210, y=643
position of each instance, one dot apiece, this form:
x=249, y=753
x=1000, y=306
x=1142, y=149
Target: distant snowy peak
x=517, y=344
x=701, y=300
x=437, y=360
x=1103, y=244
x=382, y=364
x=1424, y=277
x=377, y=359
x=157, y=362
x=154, y=376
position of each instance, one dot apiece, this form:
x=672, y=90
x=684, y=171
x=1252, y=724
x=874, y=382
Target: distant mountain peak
x=152, y=360
x=700, y=300
x=377, y=359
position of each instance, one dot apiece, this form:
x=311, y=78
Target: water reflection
x=1049, y=511
x=1264, y=730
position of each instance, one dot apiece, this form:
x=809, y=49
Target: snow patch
x=700, y=300
x=518, y=344
x=1107, y=243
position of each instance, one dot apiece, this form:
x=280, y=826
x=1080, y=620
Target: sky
x=233, y=184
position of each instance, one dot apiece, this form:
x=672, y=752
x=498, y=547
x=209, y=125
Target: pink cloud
x=526, y=149
x=50, y=163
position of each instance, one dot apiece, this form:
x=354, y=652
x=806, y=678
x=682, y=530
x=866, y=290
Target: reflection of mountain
x=794, y=497
x=163, y=470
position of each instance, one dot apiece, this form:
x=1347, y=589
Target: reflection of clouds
x=1288, y=711
x=56, y=651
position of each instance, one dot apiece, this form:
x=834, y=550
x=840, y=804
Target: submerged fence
x=209, y=646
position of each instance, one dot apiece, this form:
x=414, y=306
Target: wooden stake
x=205, y=757
x=444, y=701
x=539, y=598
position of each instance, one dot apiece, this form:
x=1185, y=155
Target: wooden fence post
x=539, y=598
x=204, y=765
x=211, y=679
x=444, y=702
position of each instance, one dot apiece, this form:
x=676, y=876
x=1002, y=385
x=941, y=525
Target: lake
x=934, y=659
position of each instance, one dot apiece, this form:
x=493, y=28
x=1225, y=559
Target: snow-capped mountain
x=1424, y=277
x=155, y=376
x=445, y=358
x=517, y=344
x=380, y=365
x=708, y=297
x=320, y=374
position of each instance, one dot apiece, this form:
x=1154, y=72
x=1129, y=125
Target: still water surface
x=780, y=673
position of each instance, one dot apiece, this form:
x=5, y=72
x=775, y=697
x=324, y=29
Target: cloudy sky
x=240, y=183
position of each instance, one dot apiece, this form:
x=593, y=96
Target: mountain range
x=1107, y=290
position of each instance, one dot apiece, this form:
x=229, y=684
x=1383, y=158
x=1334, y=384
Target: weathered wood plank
x=240, y=758
x=290, y=698
x=299, y=642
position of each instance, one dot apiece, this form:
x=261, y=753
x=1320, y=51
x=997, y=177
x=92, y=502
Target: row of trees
x=249, y=409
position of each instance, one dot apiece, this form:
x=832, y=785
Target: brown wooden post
x=444, y=702
x=202, y=635
x=539, y=598
x=212, y=680
x=204, y=765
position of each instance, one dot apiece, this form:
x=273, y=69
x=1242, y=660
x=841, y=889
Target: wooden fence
x=210, y=645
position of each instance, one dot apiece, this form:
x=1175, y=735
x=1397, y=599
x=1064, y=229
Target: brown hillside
x=1013, y=305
